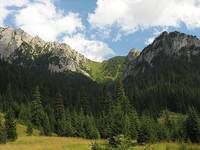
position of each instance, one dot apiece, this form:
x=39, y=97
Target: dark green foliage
x=104, y=124
x=70, y=131
x=193, y=126
x=121, y=142
x=80, y=125
x=96, y=146
x=36, y=108
x=39, y=118
x=10, y=125
x=45, y=124
x=106, y=102
x=147, y=131
x=121, y=98
x=60, y=118
x=81, y=108
x=91, y=131
x=133, y=125
x=3, y=135
x=29, y=129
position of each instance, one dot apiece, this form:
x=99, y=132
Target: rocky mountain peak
x=133, y=54
x=173, y=44
x=170, y=44
x=61, y=57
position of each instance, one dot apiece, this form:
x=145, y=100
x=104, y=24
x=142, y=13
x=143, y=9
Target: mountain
x=108, y=70
x=172, y=45
x=166, y=74
x=20, y=48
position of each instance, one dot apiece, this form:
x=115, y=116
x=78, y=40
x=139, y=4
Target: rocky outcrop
x=133, y=54
x=172, y=44
x=17, y=42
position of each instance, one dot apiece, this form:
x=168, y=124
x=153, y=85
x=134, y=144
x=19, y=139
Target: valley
x=67, y=101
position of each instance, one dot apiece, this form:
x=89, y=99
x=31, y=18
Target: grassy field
x=48, y=143
x=168, y=146
x=37, y=142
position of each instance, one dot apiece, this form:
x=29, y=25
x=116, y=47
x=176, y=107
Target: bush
x=121, y=142
x=96, y=146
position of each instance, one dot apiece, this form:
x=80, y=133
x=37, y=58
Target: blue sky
x=101, y=29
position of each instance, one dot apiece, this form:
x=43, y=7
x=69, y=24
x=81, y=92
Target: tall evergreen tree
x=59, y=112
x=91, y=131
x=80, y=124
x=193, y=125
x=106, y=103
x=36, y=108
x=29, y=129
x=10, y=125
x=121, y=98
x=147, y=132
x=3, y=136
x=134, y=124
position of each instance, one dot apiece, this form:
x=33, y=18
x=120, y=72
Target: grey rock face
x=66, y=58
x=172, y=44
x=133, y=54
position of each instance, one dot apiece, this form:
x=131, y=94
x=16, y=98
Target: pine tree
x=69, y=128
x=10, y=125
x=126, y=125
x=45, y=124
x=84, y=102
x=59, y=112
x=117, y=124
x=3, y=135
x=106, y=104
x=80, y=124
x=121, y=98
x=91, y=131
x=134, y=124
x=193, y=126
x=29, y=129
x=147, y=132
x=36, y=108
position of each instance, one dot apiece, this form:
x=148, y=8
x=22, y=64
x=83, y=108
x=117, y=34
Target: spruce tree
x=45, y=124
x=121, y=98
x=69, y=128
x=91, y=131
x=193, y=126
x=59, y=112
x=106, y=104
x=3, y=136
x=10, y=125
x=117, y=124
x=147, y=132
x=29, y=129
x=36, y=108
x=134, y=124
x=80, y=124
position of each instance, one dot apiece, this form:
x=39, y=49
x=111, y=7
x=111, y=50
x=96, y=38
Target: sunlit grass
x=48, y=143
x=167, y=146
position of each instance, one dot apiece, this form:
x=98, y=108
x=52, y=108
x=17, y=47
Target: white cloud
x=92, y=49
x=4, y=4
x=42, y=18
x=131, y=15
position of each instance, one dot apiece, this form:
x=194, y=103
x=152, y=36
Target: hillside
x=108, y=70
x=166, y=74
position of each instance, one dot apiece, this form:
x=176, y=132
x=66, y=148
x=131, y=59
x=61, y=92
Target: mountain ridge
x=172, y=44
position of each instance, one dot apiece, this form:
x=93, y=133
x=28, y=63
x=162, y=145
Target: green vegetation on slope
x=107, y=70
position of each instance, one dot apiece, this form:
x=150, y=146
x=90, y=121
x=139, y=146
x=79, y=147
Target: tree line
x=116, y=117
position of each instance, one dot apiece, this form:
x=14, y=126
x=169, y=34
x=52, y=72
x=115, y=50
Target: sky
x=101, y=29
